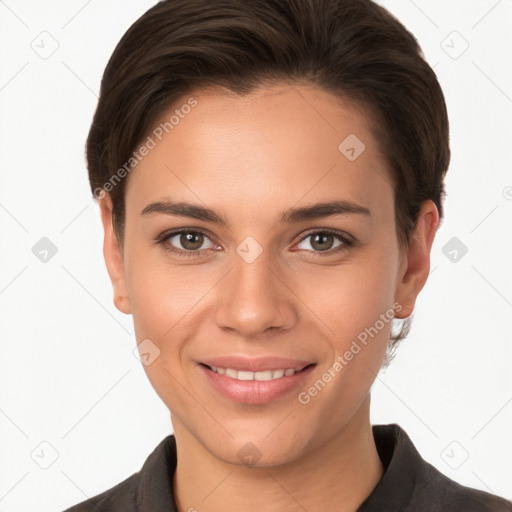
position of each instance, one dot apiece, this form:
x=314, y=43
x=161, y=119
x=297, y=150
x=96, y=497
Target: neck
x=344, y=470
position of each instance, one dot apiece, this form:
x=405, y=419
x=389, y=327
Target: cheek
x=350, y=298
x=163, y=298
x=359, y=316
x=165, y=306
x=171, y=306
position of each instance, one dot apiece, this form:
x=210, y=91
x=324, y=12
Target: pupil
x=187, y=241
x=323, y=238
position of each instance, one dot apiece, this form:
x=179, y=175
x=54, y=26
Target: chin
x=258, y=451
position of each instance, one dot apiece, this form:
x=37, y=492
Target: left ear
x=415, y=266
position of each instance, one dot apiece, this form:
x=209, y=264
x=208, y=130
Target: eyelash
x=346, y=243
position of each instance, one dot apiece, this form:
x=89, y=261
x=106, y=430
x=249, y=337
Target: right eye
x=190, y=241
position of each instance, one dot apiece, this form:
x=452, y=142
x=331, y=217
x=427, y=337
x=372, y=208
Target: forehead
x=268, y=148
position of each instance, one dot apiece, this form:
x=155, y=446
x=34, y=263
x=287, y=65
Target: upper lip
x=256, y=364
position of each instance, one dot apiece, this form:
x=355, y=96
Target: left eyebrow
x=321, y=210
x=293, y=215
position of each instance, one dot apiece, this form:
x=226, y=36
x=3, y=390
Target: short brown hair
x=355, y=49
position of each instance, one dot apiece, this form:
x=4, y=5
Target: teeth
x=261, y=376
x=231, y=373
x=267, y=375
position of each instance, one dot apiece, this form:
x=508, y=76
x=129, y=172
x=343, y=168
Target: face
x=252, y=278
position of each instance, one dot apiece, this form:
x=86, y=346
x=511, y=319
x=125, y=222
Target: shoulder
x=120, y=498
x=149, y=489
x=410, y=483
x=452, y=496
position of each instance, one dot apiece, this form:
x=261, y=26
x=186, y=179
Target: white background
x=68, y=375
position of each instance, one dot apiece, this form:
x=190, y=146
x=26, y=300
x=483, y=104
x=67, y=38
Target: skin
x=250, y=158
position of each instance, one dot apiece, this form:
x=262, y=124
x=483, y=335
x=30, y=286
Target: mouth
x=266, y=382
x=261, y=376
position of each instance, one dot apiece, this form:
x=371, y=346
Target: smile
x=258, y=382
x=264, y=375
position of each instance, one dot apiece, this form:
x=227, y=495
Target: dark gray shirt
x=409, y=483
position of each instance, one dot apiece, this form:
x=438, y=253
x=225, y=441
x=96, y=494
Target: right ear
x=113, y=254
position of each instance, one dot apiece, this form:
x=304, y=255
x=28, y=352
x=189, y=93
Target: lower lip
x=254, y=392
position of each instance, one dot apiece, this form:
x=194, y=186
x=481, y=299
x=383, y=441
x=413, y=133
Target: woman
x=231, y=141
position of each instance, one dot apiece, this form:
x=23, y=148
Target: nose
x=254, y=299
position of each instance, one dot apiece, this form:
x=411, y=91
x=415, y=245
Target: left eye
x=323, y=241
